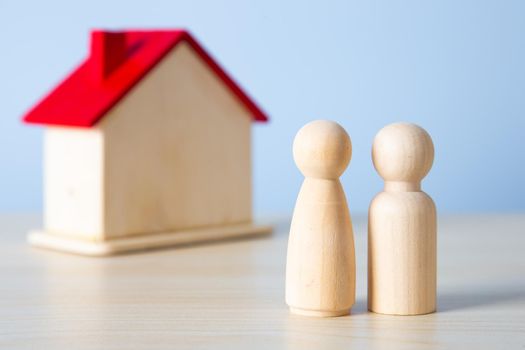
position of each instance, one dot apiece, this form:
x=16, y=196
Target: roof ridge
x=90, y=91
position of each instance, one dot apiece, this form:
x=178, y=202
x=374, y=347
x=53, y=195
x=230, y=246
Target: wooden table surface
x=231, y=295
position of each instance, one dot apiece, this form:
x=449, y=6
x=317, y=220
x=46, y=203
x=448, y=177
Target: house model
x=147, y=144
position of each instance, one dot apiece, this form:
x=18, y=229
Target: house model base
x=144, y=242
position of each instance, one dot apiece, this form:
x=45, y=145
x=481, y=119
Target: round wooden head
x=403, y=152
x=322, y=149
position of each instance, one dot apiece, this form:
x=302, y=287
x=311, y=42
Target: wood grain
x=231, y=295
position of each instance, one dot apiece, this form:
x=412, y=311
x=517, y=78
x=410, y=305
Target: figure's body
x=320, y=270
x=402, y=225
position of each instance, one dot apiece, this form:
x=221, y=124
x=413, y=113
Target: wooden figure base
x=317, y=313
x=144, y=242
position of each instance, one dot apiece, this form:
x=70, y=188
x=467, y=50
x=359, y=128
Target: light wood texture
x=73, y=184
x=145, y=242
x=173, y=155
x=178, y=152
x=402, y=225
x=231, y=295
x=320, y=268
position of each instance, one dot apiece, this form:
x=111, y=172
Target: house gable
x=177, y=152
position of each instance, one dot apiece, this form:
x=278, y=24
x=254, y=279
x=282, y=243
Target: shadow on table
x=476, y=298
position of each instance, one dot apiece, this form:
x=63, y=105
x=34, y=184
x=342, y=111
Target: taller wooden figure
x=402, y=225
x=320, y=268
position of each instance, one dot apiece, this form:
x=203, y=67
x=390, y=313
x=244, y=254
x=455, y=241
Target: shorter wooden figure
x=320, y=268
x=402, y=225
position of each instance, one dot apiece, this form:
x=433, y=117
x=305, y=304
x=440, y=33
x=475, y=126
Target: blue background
x=454, y=67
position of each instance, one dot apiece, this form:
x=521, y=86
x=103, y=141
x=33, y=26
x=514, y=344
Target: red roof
x=118, y=61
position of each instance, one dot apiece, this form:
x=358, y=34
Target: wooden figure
x=147, y=145
x=320, y=268
x=402, y=225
